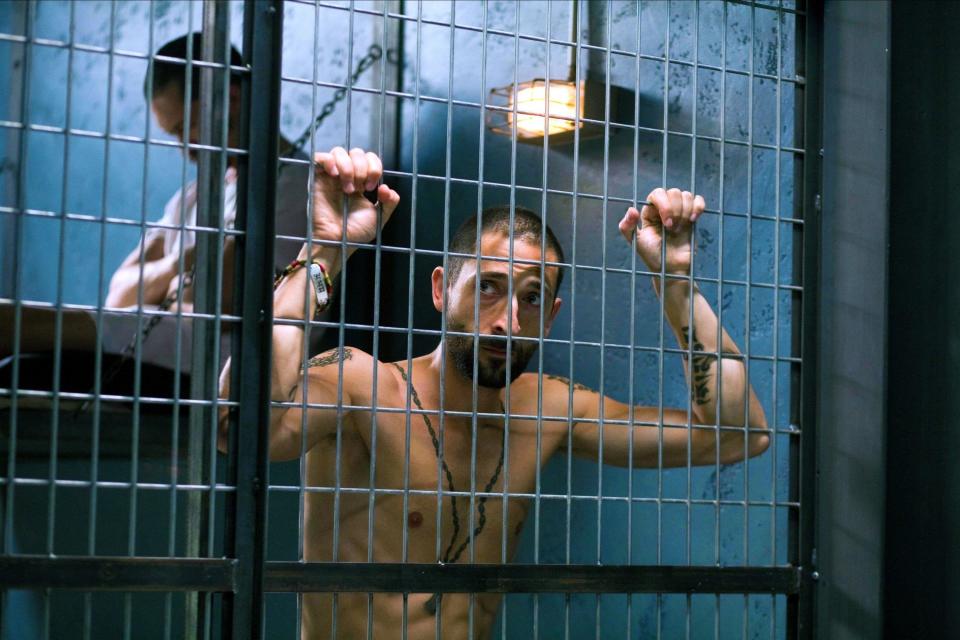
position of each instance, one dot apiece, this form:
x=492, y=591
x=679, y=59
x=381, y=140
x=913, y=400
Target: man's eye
x=487, y=286
x=533, y=298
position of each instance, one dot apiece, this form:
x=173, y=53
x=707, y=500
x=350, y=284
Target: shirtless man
x=341, y=174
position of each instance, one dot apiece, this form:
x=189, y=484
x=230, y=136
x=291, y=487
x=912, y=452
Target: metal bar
x=778, y=135
x=101, y=573
x=302, y=471
x=441, y=418
x=402, y=174
x=692, y=292
x=225, y=81
x=60, y=44
x=789, y=428
x=578, y=107
x=603, y=291
x=511, y=237
x=196, y=146
x=720, y=283
x=89, y=48
x=191, y=624
x=107, y=573
x=801, y=609
x=631, y=357
x=544, y=177
x=85, y=133
x=474, y=393
x=427, y=332
x=661, y=328
x=526, y=578
x=512, y=200
x=58, y=322
x=405, y=509
x=53, y=466
x=246, y=533
x=335, y=547
x=98, y=348
x=501, y=32
x=206, y=267
x=748, y=305
x=605, y=189
x=425, y=492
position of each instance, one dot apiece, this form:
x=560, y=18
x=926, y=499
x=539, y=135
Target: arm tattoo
x=576, y=385
x=699, y=368
x=330, y=357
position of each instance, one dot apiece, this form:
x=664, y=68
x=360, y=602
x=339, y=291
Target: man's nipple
x=415, y=519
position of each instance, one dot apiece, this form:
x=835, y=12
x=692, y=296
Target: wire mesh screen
x=538, y=307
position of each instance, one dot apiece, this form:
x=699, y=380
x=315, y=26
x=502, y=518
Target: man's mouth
x=495, y=350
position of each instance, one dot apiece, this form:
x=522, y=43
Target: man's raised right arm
x=341, y=177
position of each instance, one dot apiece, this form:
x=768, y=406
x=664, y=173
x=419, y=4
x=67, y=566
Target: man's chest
x=422, y=450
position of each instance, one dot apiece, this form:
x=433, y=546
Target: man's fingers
x=660, y=201
x=629, y=223
x=345, y=168
x=699, y=204
x=326, y=162
x=374, y=171
x=388, y=199
x=687, y=206
x=676, y=207
x=359, y=159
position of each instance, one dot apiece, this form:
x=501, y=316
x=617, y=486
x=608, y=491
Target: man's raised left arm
x=716, y=370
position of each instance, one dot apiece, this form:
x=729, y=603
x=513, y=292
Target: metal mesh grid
x=718, y=92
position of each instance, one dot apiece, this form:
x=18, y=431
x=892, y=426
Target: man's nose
x=507, y=318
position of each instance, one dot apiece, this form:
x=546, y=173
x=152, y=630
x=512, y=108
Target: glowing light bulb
x=532, y=99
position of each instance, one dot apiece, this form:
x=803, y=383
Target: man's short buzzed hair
x=167, y=72
x=526, y=225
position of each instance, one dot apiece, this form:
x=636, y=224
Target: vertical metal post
x=246, y=526
x=852, y=332
x=803, y=462
x=211, y=166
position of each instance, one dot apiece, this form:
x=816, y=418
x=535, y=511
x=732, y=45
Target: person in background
x=152, y=273
x=162, y=244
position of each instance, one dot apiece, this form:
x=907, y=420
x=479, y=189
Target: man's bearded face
x=510, y=300
x=491, y=358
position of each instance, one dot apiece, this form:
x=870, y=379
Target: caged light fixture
x=558, y=108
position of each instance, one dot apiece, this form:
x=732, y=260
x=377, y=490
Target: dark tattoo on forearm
x=576, y=385
x=330, y=357
x=699, y=367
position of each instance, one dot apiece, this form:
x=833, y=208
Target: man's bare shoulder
x=358, y=367
x=556, y=390
x=551, y=381
x=560, y=384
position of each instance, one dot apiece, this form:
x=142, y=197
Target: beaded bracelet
x=322, y=284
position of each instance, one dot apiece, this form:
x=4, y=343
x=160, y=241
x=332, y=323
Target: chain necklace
x=374, y=53
x=431, y=605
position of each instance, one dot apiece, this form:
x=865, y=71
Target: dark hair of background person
x=166, y=72
x=526, y=225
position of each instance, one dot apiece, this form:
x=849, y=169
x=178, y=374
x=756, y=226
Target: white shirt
x=291, y=220
x=291, y=214
x=185, y=201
